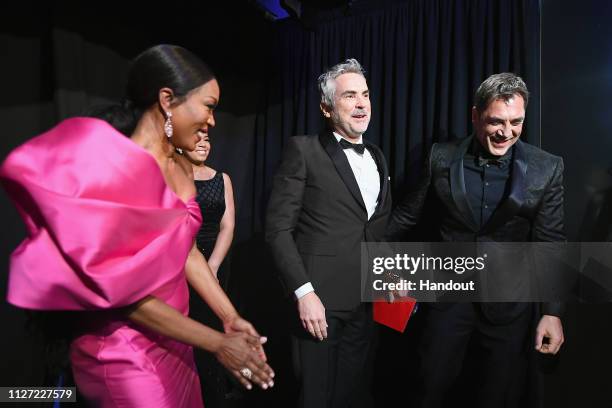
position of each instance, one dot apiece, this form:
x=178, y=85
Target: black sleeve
x=283, y=213
x=408, y=212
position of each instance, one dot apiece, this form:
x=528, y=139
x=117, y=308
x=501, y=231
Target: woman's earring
x=168, y=125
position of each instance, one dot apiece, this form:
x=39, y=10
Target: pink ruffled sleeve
x=104, y=230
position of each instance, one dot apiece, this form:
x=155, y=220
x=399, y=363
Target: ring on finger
x=246, y=373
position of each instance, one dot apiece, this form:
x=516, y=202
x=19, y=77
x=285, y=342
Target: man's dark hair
x=500, y=86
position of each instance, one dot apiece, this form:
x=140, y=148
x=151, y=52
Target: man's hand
x=391, y=295
x=312, y=315
x=551, y=328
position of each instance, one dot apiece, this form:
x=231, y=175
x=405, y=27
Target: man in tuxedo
x=489, y=186
x=330, y=193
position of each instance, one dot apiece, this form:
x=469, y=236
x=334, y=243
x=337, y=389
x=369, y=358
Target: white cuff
x=304, y=290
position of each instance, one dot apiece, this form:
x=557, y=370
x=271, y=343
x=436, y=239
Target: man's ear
x=474, y=115
x=165, y=98
x=326, y=110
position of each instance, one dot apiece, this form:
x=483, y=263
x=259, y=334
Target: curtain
x=424, y=60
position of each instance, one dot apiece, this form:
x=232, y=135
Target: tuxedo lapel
x=513, y=203
x=383, y=173
x=335, y=152
x=457, y=184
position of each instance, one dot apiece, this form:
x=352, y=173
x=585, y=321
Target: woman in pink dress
x=111, y=223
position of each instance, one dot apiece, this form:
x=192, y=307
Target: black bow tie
x=499, y=162
x=358, y=147
x=483, y=162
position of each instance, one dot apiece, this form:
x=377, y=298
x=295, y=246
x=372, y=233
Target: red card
x=394, y=315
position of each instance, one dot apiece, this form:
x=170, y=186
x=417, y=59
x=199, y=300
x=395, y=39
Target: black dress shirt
x=487, y=180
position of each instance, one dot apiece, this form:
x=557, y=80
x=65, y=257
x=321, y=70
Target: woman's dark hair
x=161, y=66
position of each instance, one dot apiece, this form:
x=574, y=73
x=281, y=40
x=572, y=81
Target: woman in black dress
x=216, y=200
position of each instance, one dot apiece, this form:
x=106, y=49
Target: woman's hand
x=239, y=325
x=238, y=353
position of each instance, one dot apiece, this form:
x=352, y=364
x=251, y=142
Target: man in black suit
x=487, y=187
x=330, y=193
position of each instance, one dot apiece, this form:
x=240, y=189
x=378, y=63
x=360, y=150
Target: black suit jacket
x=316, y=219
x=533, y=210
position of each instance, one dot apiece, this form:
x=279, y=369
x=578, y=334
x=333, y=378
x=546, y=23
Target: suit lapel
x=513, y=203
x=383, y=174
x=457, y=184
x=333, y=149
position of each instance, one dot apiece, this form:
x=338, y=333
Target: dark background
x=423, y=61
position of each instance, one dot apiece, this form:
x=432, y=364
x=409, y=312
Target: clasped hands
x=241, y=352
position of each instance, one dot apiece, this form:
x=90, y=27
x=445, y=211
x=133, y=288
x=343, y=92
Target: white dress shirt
x=366, y=173
x=368, y=179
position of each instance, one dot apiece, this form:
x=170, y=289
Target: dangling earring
x=168, y=125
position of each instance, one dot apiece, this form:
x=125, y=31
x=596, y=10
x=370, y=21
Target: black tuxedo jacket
x=316, y=219
x=532, y=211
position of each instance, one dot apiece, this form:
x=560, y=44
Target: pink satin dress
x=104, y=231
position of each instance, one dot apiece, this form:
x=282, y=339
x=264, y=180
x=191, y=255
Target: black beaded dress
x=210, y=195
x=211, y=198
